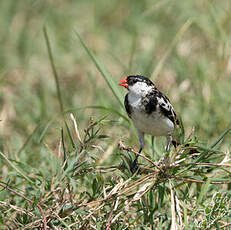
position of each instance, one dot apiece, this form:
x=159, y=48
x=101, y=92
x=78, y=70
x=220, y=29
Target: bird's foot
x=134, y=166
x=164, y=161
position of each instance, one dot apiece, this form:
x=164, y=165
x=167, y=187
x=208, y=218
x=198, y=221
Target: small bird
x=149, y=109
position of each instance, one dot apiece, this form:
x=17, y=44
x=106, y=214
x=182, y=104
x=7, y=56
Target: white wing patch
x=164, y=103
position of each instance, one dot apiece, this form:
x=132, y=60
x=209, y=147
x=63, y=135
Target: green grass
x=62, y=172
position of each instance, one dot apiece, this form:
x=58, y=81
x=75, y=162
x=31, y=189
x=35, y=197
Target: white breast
x=155, y=124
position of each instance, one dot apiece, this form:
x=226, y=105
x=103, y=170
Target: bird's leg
x=169, y=141
x=164, y=160
x=134, y=165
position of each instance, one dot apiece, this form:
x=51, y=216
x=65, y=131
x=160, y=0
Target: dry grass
x=62, y=172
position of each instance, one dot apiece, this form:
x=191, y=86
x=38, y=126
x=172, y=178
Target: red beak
x=123, y=82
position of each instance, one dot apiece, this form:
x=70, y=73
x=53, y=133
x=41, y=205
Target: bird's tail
x=175, y=143
x=191, y=151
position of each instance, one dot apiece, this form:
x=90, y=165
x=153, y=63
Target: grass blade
x=64, y=150
x=16, y=168
x=179, y=34
x=27, y=140
x=45, y=129
x=53, y=69
x=70, y=135
x=108, y=78
x=101, y=108
x=221, y=137
x=204, y=190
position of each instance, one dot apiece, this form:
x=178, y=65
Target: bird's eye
x=134, y=80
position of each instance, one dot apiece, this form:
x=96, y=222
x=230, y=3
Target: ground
x=66, y=171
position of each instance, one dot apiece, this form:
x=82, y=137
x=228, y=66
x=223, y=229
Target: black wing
x=150, y=102
x=127, y=106
x=166, y=108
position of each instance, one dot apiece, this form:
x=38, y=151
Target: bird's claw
x=134, y=166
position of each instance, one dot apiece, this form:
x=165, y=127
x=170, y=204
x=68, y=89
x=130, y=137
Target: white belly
x=154, y=124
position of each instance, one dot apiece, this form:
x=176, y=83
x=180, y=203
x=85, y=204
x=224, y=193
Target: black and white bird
x=149, y=109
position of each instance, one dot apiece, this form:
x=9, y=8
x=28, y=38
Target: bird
x=149, y=109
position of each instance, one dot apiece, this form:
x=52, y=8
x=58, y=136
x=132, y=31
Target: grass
x=66, y=142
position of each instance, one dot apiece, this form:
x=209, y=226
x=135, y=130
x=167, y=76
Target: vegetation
x=66, y=142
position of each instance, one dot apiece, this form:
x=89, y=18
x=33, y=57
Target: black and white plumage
x=149, y=109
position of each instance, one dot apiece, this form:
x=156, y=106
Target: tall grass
x=73, y=171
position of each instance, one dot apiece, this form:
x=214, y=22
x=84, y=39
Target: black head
x=131, y=80
x=137, y=84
